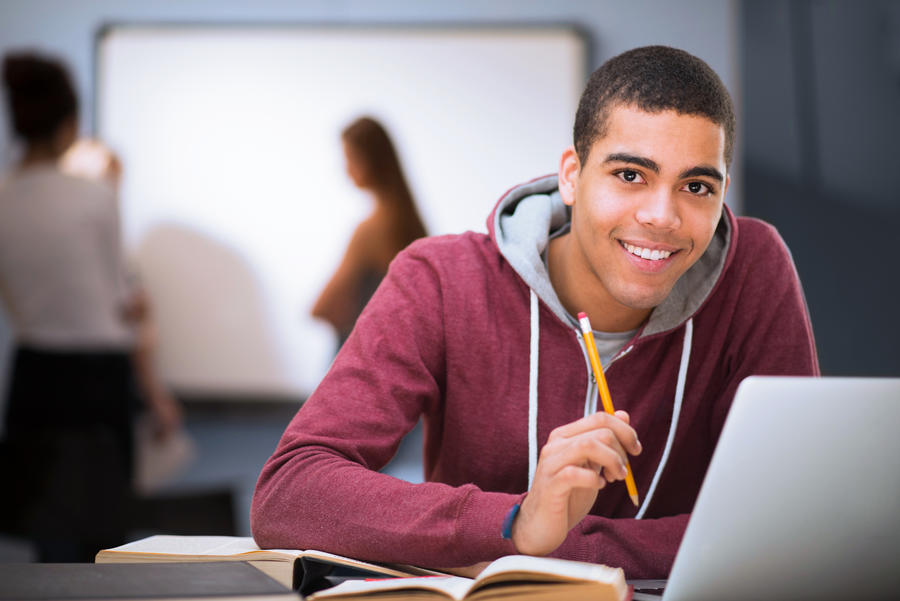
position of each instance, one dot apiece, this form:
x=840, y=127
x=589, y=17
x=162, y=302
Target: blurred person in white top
x=80, y=361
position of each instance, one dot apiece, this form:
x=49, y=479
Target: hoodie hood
x=529, y=215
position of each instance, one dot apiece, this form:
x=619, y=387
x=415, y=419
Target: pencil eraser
x=584, y=322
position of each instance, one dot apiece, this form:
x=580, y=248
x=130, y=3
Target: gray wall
x=821, y=99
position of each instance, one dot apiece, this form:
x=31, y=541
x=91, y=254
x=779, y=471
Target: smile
x=646, y=253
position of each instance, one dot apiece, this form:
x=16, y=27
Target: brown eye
x=698, y=188
x=630, y=176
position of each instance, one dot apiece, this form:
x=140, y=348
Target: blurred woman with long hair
x=373, y=166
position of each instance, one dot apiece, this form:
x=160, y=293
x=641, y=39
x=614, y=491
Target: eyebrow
x=700, y=170
x=624, y=157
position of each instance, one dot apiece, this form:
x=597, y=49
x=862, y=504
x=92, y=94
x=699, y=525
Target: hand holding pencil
x=578, y=460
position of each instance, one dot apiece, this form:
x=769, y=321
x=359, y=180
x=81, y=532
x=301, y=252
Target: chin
x=643, y=299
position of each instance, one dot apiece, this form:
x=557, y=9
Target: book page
x=547, y=568
x=168, y=544
x=455, y=587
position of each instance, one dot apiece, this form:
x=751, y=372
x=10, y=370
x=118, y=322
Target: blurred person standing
x=67, y=454
x=373, y=166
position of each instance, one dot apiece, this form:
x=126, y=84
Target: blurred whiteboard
x=236, y=207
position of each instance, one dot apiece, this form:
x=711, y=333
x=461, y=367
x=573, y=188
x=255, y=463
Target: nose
x=659, y=210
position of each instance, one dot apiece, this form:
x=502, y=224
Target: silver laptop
x=802, y=497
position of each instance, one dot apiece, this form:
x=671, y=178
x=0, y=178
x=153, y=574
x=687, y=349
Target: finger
x=593, y=446
x=620, y=473
x=610, y=475
x=601, y=446
x=624, y=432
x=625, y=417
x=573, y=476
x=585, y=424
x=598, y=449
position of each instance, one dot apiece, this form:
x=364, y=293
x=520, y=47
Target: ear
x=569, y=169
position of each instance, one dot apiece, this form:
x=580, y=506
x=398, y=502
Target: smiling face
x=645, y=206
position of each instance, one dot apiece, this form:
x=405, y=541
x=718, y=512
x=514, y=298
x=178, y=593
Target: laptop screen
x=802, y=496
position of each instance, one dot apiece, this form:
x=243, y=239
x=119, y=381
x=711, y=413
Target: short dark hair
x=653, y=79
x=40, y=94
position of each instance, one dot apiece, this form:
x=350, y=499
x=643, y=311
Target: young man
x=476, y=333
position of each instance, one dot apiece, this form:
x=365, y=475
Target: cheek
x=602, y=210
x=591, y=222
x=702, y=224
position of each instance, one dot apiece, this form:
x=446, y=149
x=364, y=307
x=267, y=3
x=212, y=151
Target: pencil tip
x=634, y=499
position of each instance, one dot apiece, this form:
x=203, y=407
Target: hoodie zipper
x=590, y=400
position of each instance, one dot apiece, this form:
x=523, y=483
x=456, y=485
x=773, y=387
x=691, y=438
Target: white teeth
x=646, y=253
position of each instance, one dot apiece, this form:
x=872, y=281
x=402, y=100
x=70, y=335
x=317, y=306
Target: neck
x=39, y=153
x=578, y=290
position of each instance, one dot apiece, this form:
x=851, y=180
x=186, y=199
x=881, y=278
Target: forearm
x=312, y=497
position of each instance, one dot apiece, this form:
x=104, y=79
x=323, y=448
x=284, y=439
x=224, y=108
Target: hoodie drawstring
x=676, y=411
x=533, y=388
x=533, y=401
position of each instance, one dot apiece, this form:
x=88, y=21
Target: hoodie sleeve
x=643, y=548
x=769, y=332
x=321, y=488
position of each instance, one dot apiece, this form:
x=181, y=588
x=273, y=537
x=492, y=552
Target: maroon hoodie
x=467, y=331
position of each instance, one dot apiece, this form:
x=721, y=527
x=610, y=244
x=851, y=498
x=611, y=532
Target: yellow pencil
x=604, y=393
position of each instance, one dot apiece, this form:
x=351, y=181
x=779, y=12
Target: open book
x=510, y=577
x=294, y=568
